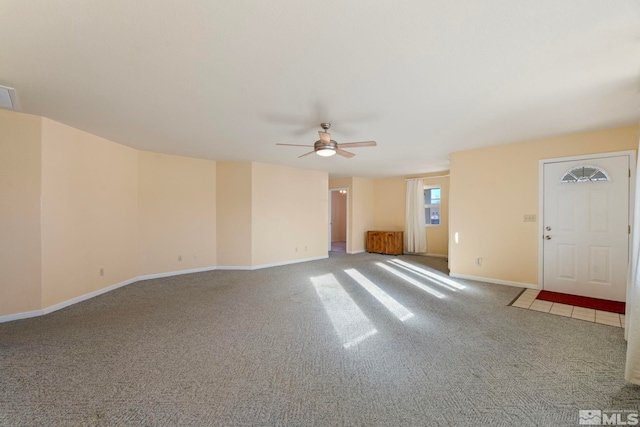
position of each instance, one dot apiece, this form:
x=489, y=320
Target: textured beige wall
x=389, y=210
x=290, y=214
x=233, y=214
x=89, y=213
x=74, y=203
x=348, y=184
x=389, y=203
x=20, y=260
x=362, y=197
x=438, y=236
x=492, y=188
x=176, y=213
x=338, y=217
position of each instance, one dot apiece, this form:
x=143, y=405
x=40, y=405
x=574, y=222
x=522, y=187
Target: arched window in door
x=585, y=173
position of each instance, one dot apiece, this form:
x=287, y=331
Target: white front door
x=586, y=227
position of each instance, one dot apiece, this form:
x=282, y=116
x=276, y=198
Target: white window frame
x=429, y=205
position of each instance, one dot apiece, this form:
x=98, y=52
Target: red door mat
x=586, y=302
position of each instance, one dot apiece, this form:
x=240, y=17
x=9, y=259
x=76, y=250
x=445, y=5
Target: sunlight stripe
x=397, y=309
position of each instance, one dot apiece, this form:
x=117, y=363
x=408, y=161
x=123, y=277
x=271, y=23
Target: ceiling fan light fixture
x=327, y=147
x=326, y=151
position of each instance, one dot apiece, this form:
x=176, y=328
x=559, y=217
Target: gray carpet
x=289, y=346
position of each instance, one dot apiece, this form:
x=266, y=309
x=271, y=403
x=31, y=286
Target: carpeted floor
x=342, y=341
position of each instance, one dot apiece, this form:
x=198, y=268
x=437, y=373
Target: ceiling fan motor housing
x=325, y=149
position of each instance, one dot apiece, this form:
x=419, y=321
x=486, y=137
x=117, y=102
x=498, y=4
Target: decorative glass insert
x=432, y=205
x=585, y=173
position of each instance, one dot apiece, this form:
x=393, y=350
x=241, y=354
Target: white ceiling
x=227, y=80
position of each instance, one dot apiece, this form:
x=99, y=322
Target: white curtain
x=415, y=236
x=632, y=318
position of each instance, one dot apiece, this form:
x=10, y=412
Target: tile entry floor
x=527, y=300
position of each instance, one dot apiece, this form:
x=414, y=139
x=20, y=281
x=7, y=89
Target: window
x=432, y=205
x=584, y=174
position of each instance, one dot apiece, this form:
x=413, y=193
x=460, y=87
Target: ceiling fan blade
x=296, y=145
x=325, y=137
x=344, y=153
x=304, y=155
x=358, y=144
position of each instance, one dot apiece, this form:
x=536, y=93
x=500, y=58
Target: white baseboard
x=275, y=264
x=496, y=281
x=47, y=310
x=174, y=273
x=427, y=254
x=437, y=255
x=20, y=316
x=64, y=304
x=356, y=252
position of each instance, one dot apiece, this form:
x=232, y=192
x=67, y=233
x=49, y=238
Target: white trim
x=438, y=205
x=235, y=267
x=590, y=156
x=72, y=301
x=275, y=264
x=175, y=273
x=540, y=234
x=429, y=177
x=346, y=217
x=64, y=304
x=436, y=255
x=85, y=297
x=426, y=254
x=494, y=281
x=356, y=252
x=20, y=316
x=632, y=182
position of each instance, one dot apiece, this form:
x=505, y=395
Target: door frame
x=346, y=217
x=632, y=192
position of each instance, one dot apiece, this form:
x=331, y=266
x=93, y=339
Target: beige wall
x=176, y=213
x=359, y=210
x=348, y=184
x=89, y=213
x=390, y=203
x=438, y=236
x=233, y=214
x=74, y=204
x=338, y=216
x=492, y=188
x=289, y=214
x=20, y=260
x=379, y=204
x=362, y=197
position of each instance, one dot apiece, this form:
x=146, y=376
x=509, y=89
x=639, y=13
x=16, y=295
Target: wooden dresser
x=385, y=242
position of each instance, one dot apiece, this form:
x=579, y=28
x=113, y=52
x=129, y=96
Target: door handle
x=547, y=237
x=547, y=228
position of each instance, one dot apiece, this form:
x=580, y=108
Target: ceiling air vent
x=8, y=98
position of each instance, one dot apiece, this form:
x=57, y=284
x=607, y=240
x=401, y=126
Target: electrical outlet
x=529, y=218
x=102, y=271
x=305, y=249
x=179, y=257
x=479, y=261
x=296, y=249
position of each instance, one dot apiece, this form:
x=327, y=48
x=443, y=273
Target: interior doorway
x=586, y=225
x=338, y=198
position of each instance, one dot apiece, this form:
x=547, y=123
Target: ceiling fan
x=326, y=146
